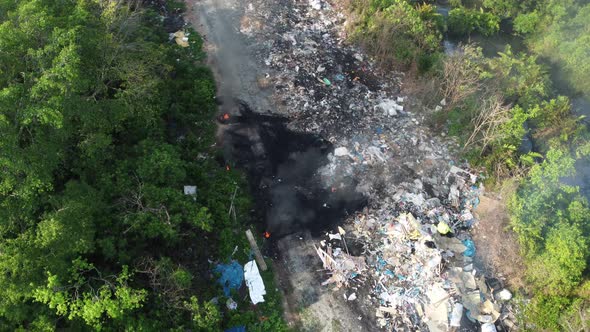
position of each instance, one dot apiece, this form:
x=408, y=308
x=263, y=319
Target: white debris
x=341, y=152
x=456, y=315
x=504, y=295
x=315, y=4
x=335, y=237
x=254, y=282
x=388, y=107
x=190, y=190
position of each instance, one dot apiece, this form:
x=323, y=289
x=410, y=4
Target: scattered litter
x=237, y=329
x=470, y=248
x=231, y=304
x=443, y=228
x=254, y=282
x=181, y=38
x=341, y=152
x=504, y=295
x=190, y=190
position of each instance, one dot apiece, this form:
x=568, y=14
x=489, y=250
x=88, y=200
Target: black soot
x=283, y=169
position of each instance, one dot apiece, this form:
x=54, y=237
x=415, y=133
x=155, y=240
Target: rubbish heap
x=418, y=263
x=417, y=267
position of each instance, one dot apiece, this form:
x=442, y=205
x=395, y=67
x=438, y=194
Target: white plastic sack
x=254, y=282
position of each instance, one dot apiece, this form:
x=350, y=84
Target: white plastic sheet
x=254, y=282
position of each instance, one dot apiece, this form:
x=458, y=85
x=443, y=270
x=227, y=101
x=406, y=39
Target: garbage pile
x=418, y=263
x=417, y=267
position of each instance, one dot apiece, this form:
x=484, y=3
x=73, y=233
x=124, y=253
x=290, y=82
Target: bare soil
x=497, y=246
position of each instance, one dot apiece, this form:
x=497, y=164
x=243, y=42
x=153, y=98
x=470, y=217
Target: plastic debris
x=231, y=304
x=456, y=315
x=504, y=295
x=181, y=38
x=470, y=248
x=443, y=228
x=190, y=190
x=408, y=174
x=231, y=277
x=237, y=329
x=341, y=152
x=254, y=282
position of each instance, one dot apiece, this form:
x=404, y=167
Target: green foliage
x=551, y=221
x=544, y=311
x=102, y=123
x=79, y=299
x=527, y=22
x=521, y=78
x=567, y=42
x=396, y=31
x=464, y=21
x=558, y=270
x=205, y=316
x=504, y=8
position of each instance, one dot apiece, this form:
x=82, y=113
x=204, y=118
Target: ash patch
x=284, y=170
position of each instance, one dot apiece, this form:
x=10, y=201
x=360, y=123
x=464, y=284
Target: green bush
x=395, y=31
x=544, y=312
x=463, y=21
x=526, y=23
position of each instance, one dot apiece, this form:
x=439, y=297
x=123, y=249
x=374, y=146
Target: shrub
x=463, y=21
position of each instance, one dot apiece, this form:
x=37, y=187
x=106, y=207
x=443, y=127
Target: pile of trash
x=418, y=263
x=417, y=267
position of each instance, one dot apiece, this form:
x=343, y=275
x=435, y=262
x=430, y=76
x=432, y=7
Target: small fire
x=225, y=116
x=266, y=235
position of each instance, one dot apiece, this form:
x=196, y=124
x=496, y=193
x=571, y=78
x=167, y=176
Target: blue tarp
x=232, y=276
x=237, y=329
x=470, y=251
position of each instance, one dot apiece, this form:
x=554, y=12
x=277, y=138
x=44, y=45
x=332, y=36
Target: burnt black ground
x=282, y=170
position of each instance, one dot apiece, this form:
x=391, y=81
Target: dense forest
x=511, y=121
x=103, y=121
